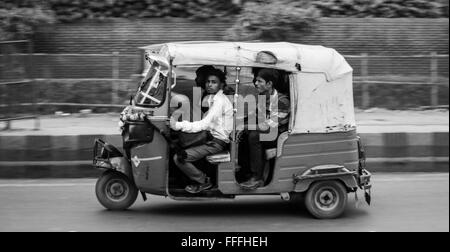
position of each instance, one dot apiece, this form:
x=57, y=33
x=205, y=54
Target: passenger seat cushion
x=221, y=157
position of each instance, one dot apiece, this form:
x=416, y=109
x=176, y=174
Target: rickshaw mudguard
x=150, y=162
x=110, y=158
x=123, y=166
x=325, y=172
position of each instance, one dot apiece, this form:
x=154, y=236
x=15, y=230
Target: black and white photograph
x=224, y=122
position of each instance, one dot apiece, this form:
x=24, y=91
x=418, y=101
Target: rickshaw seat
x=221, y=157
x=224, y=157
x=271, y=154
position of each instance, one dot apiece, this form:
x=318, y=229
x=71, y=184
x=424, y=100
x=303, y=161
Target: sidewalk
x=369, y=121
x=395, y=141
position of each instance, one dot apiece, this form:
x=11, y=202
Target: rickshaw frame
x=304, y=167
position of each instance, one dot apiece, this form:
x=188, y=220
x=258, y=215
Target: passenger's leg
x=189, y=169
x=256, y=160
x=256, y=154
x=244, y=171
x=268, y=164
x=184, y=162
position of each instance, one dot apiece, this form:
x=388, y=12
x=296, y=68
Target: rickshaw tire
x=101, y=191
x=323, y=189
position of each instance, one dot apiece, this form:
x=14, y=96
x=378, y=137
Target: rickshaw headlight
x=116, y=162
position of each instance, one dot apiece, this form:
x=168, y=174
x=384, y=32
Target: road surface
x=400, y=202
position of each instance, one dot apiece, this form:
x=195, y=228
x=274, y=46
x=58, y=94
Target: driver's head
x=215, y=81
x=201, y=75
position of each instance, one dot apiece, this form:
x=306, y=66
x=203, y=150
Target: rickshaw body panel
x=150, y=164
x=300, y=152
x=321, y=106
x=308, y=150
x=347, y=179
x=150, y=160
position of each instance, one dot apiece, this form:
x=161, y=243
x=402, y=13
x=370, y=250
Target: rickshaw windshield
x=151, y=90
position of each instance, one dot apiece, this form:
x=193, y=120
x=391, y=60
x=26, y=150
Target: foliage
x=21, y=20
x=383, y=8
x=272, y=21
x=71, y=10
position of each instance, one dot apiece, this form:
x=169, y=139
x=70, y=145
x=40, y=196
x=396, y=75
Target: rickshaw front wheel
x=115, y=191
x=326, y=199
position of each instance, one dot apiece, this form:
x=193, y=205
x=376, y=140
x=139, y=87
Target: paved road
x=401, y=202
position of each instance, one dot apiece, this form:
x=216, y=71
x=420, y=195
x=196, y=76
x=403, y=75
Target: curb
x=71, y=156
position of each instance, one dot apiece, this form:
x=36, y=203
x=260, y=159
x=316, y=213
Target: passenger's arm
x=278, y=117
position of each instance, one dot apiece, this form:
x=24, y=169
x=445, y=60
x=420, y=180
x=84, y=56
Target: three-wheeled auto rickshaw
x=319, y=159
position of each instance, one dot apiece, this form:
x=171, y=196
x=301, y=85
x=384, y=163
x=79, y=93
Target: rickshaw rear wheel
x=326, y=199
x=115, y=191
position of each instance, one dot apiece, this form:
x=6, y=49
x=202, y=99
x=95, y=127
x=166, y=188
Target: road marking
x=46, y=163
x=406, y=159
x=375, y=179
x=89, y=162
x=47, y=185
x=409, y=179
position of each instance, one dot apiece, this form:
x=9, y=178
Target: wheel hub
x=327, y=199
x=116, y=190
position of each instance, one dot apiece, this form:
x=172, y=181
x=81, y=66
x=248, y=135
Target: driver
x=218, y=121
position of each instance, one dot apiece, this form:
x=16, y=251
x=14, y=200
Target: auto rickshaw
x=318, y=161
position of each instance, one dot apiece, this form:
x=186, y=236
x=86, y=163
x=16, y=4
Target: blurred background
x=67, y=67
x=62, y=55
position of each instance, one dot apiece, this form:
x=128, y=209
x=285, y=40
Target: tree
x=22, y=22
x=272, y=21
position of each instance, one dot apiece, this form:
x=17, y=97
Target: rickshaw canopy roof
x=321, y=85
x=289, y=56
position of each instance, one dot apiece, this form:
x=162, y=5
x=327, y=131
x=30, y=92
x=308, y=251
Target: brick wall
x=350, y=36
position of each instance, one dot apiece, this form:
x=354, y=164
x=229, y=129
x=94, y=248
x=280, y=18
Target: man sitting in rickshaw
x=277, y=107
x=218, y=121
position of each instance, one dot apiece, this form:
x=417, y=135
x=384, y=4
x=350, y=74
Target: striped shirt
x=278, y=108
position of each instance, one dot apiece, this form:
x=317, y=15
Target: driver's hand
x=121, y=124
x=173, y=123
